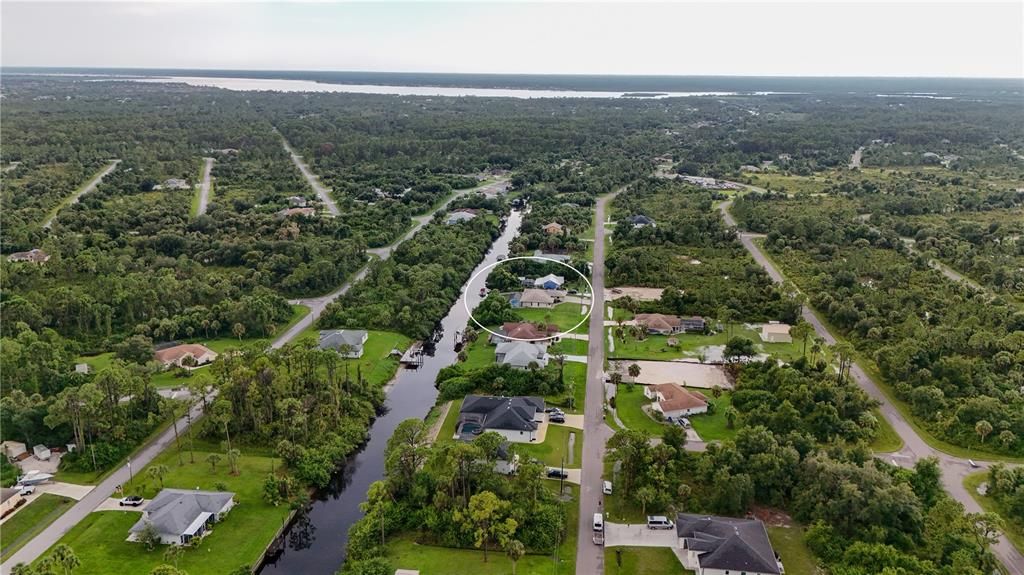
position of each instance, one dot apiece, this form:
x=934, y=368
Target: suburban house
x=641, y=221
x=186, y=355
x=297, y=201
x=179, y=515
x=289, y=212
x=517, y=419
x=520, y=354
x=718, y=545
x=550, y=281
x=459, y=216
x=674, y=400
x=33, y=256
x=661, y=324
x=506, y=462
x=347, y=342
x=534, y=298
x=82, y=368
x=553, y=229
x=512, y=331
x=775, y=332
x=173, y=184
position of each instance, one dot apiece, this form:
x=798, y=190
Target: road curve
x=313, y=179
x=90, y=186
x=590, y=557
x=914, y=447
x=204, y=186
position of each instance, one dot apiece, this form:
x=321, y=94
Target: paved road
x=945, y=270
x=914, y=447
x=313, y=179
x=95, y=181
x=87, y=504
x=204, y=187
x=590, y=557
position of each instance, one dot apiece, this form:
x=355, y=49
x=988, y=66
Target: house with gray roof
x=520, y=354
x=457, y=216
x=180, y=515
x=714, y=545
x=347, y=342
x=517, y=419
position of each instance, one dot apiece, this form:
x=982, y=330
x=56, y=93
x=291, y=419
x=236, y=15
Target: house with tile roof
x=674, y=400
x=513, y=331
x=662, y=324
x=187, y=355
x=714, y=545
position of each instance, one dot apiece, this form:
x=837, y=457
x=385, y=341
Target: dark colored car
x=554, y=473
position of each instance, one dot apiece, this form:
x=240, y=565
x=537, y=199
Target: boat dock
x=413, y=357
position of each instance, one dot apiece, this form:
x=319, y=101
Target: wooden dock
x=413, y=357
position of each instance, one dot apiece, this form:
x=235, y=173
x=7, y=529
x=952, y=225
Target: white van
x=598, y=522
x=659, y=522
x=607, y=488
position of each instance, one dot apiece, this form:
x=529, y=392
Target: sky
x=824, y=38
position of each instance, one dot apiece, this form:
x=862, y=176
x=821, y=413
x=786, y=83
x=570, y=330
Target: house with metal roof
x=347, y=342
x=714, y=545
x=180, y=515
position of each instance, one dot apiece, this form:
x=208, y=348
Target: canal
x=315, y=542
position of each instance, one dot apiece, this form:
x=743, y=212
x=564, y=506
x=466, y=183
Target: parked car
x=683, y=422
x=131, y=501
x=607, y=488
x=556, y=418
x=659, y=522
x=598, y=522
x=550, y=410
x=555, y=473
x=27, y=490
x=501, y=257
x=973, y=464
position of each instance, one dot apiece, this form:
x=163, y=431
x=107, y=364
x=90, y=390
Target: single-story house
x=517, y=419
x=718, y=545
x=33, y=256
x=775, y=332
x=553, y=228
x=289, y=212
x=506, y=462
x=14, y=449
x=179, y=515
x=662, y=324
x=185, y=355
x=512, y=331
x=533, y=298
x=297, y=201
x=550, y=281
x=640, y=221
x=41, y=452
x=674, y=400
x=459, y=216
x=338, y=339
x=520, y=354
x=9, y=499
x=693, y=323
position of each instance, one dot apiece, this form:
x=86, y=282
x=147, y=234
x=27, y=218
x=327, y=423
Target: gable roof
x=526, y=330
x=641, y=220
x=557, y=280
x=173, y=511
x=460, y=216
x=677, y=397
x=533, y=295
x=335, y=338
x=728, y=543
x=514, y=413
x=177, y=352
x=658, y=321
x=521, y=353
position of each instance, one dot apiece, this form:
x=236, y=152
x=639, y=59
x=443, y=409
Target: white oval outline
x=590, y=308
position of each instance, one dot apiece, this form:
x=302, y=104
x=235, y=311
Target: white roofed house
x=775, y=332
x=520, y=354
x=347, y=342
x=179, y=515
x=550, y=281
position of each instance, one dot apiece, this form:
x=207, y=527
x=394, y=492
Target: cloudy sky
x=825, y=38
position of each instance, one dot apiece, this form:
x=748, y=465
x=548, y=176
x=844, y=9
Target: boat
x=34, y=478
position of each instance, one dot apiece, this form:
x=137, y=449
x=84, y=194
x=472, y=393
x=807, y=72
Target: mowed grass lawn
x=30, y=520
x=710, y=427
x=99, y=540
x=789, y=544
x=564, y=315
x=570, y=347
x=574, y=374
x=656, y=346
x=1012, y=527
x=377, y=364
x=642, y=561
x=404, y=553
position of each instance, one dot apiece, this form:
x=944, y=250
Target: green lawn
x=564, y=315
x=575, y=373
x=555, y=446
x=642, y=561
x=789, y=544
x=570, y=347
x=377, y=365
x=404, y=553
x=886, y=440
x=450, y=422
x=30, y=520
x=710, y=427
x=99, y=540
x=1014, y=529
x=480, y=353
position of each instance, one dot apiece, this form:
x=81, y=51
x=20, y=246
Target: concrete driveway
x=571, y=421
x=112, y=504
x=574, y=475
x=638, y=536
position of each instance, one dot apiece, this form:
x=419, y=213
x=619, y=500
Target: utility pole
x=131, y=478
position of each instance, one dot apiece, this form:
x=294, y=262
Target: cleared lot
x=683, y=373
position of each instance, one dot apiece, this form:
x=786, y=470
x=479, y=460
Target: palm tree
x=65, y=558
x=634, y=371
x=730, y=417
x=157, y=472
x=213, y=459
x=983, y=428
x=515, y=552
x=233, y=455
x=238, y=330
x=802, y=332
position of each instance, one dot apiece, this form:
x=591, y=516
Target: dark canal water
x=315, y=543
